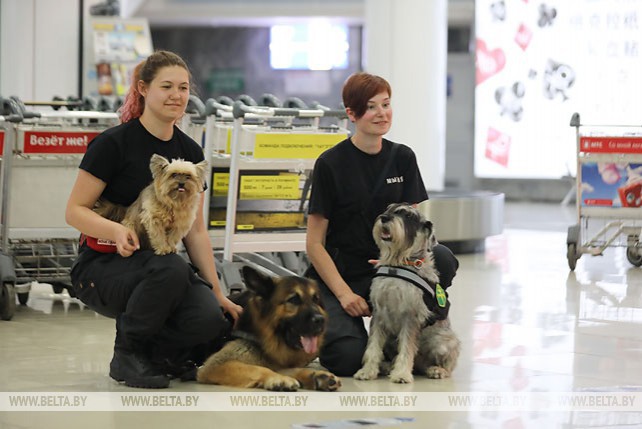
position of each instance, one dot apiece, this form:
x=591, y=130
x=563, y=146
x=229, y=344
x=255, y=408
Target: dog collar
x=245, y=336
x=417, y=263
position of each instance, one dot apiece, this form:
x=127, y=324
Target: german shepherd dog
x=278, y=334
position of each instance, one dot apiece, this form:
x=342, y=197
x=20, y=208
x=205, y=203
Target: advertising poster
x=611, y=184
x=115, y=46
x=537, y=63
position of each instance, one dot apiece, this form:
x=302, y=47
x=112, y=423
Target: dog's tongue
x=310, y=344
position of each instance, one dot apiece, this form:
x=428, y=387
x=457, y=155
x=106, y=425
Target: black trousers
x=346, y=337
x=160, y=304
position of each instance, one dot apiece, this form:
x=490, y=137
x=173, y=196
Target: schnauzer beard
x=165, y=210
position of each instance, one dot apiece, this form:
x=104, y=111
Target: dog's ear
x=259, y=283
x=431, y=233
x=157, y=164
x=201, y=170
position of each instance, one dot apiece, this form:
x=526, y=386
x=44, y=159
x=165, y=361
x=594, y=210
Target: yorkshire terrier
x=165, y=210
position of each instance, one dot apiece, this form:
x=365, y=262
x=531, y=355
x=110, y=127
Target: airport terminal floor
x=532, y=331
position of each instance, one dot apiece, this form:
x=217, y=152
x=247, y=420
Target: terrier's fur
x=165, y=210
x=401, y=326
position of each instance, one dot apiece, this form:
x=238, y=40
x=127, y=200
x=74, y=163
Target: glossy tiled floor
x=527, y=325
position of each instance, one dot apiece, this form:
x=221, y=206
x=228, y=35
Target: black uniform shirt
x=343, y=180
x=120, y=157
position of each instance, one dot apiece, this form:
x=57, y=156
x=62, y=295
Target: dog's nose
x=384, y=218
x=318, y=320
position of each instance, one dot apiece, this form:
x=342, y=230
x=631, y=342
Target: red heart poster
x=489, y=62
x=498, y=146
x=523, y=36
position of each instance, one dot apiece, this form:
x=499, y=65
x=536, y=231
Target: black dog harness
x=435, y=297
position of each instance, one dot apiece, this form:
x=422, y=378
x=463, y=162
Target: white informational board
x=539, y=62
x=113, y=47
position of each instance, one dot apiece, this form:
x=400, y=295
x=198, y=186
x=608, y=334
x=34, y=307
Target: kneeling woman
x=353, y=183
x=169, y=314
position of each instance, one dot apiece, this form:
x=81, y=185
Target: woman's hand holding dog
x=354, y=304
x=230, y=308
x=126, y=241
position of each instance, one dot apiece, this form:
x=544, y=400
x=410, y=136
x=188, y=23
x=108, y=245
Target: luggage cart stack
x=40, y=160
x=609, y=191
x=193, y=122
x=262, y=158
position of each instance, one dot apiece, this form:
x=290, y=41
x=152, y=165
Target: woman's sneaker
x=135, y=370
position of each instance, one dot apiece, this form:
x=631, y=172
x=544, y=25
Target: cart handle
x=336, y=113
x=195, y=105
x=11, y=118
x=575, y=122
x=23, y=110
x=271, y=100
x=246, y=99
x=224, y=99
x=240, y=110
x=295, y=102
x=212, y=107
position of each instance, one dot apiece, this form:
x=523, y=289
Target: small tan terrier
x=165, y=210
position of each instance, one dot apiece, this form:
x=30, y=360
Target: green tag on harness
x=441, y=296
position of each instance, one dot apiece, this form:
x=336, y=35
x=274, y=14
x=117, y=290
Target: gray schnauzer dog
x=410, y=325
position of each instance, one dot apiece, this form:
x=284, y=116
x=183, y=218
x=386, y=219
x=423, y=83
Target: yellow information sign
x=294, y=146
x=281, y=187
x=260, y=187
x=221, y=183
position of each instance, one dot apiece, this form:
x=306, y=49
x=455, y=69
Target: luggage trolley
x=7, y=272
x=609, y=191
x=193, y=122
x=39, y=166
x=262, y=158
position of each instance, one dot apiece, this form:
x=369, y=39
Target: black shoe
x=136, y=371
x=185, y=371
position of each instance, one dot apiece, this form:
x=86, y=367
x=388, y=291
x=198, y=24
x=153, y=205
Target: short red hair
x=361, y=87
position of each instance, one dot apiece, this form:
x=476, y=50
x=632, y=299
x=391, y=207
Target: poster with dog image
x=537, y=63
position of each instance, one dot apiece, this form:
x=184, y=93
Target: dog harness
x=435, y=297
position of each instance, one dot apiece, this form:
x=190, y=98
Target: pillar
x=406, y=42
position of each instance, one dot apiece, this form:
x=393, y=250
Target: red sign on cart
x=611, y=144
x=1, y=142
x=57, y=141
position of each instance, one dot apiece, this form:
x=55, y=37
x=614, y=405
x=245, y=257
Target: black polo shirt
x=120, y=157
x=343, y=181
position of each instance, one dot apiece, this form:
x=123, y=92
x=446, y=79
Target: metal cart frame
x=40, y=157
x=245, y=117
x=609, y=190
